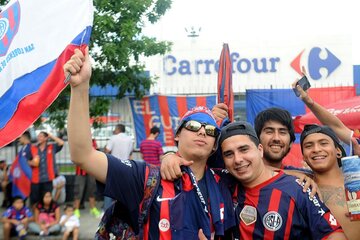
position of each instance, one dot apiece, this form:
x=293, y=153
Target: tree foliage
x=117, y=44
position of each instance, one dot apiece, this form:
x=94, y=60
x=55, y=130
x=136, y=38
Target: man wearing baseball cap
x=270, y=203
x=322, y=151
x=179, y=209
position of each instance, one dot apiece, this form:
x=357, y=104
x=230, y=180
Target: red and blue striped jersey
x=151, y=151
x=279, y=209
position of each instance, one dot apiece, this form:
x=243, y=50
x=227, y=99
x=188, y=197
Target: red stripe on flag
x=201, y=101
x=166, y=121
x=5, y=40
x=11, y=18
x=37, y=103
x=181, y=106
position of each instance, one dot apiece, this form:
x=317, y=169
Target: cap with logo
x=199, y=113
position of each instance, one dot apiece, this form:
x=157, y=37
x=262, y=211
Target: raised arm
x=324, y=116
x=79, y=134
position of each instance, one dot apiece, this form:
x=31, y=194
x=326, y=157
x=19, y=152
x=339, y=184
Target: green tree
x=117, y=40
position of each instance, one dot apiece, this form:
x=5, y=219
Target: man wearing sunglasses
x=268, y=203
x=180, y=208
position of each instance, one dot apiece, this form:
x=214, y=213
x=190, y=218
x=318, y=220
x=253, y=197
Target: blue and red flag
x=33, y=49
x=164, y=112
x=225, y=91
x=20, y=174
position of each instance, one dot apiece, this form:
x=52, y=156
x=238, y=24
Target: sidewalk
x=88, y=225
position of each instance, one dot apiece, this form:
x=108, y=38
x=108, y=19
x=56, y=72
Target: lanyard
x=198, y=191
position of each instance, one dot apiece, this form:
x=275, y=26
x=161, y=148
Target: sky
x=226, y=20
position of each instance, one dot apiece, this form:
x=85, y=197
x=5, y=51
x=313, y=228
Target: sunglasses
x=195, y=126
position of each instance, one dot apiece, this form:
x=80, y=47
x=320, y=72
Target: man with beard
x=275, y=130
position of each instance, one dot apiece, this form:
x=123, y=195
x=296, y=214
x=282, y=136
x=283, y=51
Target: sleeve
x=124, y=181
x=62, y=218
x=321, y=221
x=57, y=147
x=160, y=150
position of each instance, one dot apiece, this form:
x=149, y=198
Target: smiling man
x=322, y=152
x=270, y=203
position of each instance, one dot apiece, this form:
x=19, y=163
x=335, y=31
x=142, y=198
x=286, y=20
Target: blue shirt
x=125, y=183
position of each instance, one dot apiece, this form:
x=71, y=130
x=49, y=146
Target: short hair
x=15, y=198
x=68, y=205
x=278, y=115
x=120, y=127
x=44, y=133
x=154, y=130
x=27, y=135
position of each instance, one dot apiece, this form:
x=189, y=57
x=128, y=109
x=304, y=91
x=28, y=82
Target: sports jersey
x=151, y=151
x=12, y=213
x=179, y=209
x=279, y=209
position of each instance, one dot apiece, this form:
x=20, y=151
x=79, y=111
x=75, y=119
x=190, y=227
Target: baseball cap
x=314, y=128
x=199, y=113
x=237, y=128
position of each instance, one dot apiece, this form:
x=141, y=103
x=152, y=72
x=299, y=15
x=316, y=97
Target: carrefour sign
x=193, y=68
x=173, y=65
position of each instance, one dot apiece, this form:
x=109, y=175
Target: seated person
x=46, y=216
x=15, y=219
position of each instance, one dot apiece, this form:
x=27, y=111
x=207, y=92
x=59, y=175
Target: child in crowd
x=15, y=219
x=70, y=223
x=46, y=216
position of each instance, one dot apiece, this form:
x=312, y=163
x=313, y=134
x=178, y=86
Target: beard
x=275, y=158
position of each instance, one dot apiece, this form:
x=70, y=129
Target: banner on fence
x=164, y=112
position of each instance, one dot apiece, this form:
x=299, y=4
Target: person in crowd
x=15, y=219
x=22, y=168
x=322, y=151
x=70, y=223
x=46, y=217
x=196, y=138
x=270, y=204
x=59, y=189
x=275, y=129
x=85, y=186
x=120, y=145
x=43, y=175
x=4, y=180
x=151, y=149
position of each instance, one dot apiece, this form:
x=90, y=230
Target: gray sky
x=226, y=20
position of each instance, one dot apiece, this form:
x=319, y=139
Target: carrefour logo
x=315, y=62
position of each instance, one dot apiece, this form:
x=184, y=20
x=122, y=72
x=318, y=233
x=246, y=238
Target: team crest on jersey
x=9, y=25
x=272, y=221
x=248, y=215
x=164, y=225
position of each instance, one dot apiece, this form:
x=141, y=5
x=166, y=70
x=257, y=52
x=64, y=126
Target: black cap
x=237, y=128
x=314, y=128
